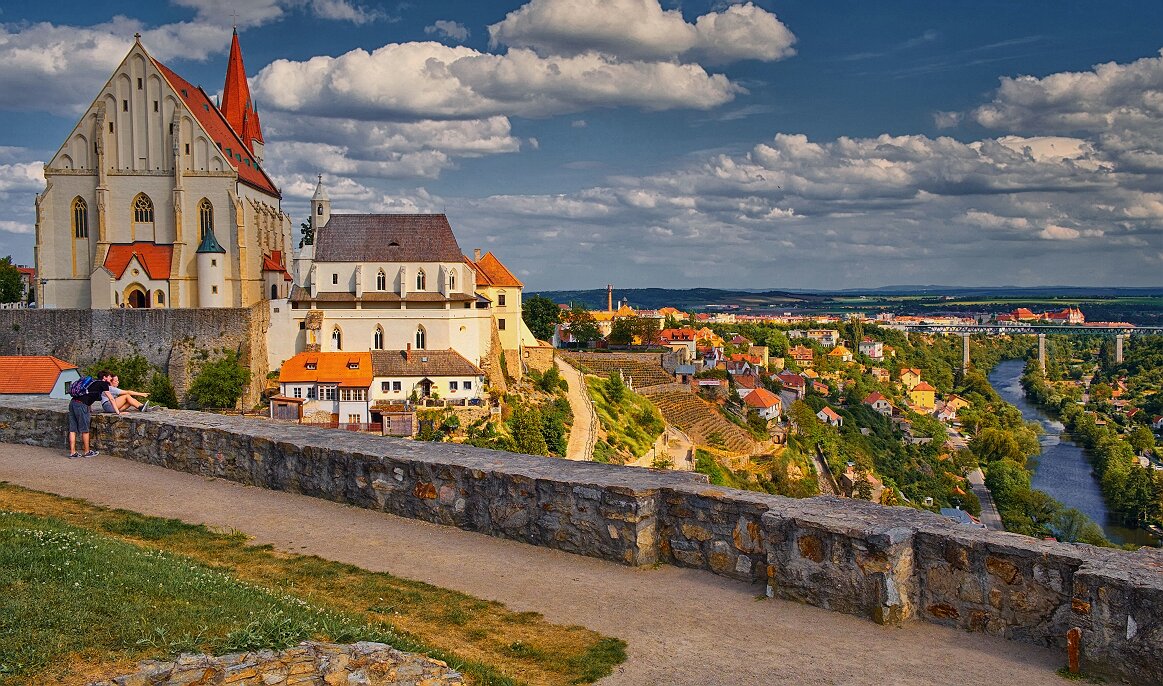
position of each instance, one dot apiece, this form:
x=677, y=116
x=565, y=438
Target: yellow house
x=910, y=377
x=495, y=282
x=840, y=353
x=956, y=402
x=923, y=396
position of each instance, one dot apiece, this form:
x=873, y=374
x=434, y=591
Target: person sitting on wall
x=79, y=413
x=123, y=399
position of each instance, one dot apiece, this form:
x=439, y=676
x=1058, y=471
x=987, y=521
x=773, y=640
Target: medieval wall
x=177, y=340
x=888, y=564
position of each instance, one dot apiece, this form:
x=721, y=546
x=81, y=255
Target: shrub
x=220, y=383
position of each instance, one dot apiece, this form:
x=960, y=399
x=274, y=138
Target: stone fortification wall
x=174, y=340
x=886, y=564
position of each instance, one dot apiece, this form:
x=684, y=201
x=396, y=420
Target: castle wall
x=887, y=564
x=174, y=340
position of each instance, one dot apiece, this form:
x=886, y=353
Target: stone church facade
x=158, y=198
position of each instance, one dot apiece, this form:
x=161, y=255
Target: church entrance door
x=426, y=388
x=137, y=298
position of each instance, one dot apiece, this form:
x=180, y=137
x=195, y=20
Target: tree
x=1141, y=439
x=541, y=315
x=615, y=387
x=582, y=326
x=997, y=444
x=220, y=383
x=307, y=228
x=1007, y=480
x=621, y=332
x=527, y=432
x=11, y=289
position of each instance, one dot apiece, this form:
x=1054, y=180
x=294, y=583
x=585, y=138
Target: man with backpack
x=85, y=392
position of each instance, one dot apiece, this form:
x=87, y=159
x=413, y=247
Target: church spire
x=237, y=106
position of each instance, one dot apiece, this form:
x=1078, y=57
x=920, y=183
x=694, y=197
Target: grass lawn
x=632, y=423
x=86, y=591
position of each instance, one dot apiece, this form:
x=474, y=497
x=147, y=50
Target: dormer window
x=353, y=365
x=312, y=365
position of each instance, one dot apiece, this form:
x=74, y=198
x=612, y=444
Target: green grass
x=720, y=476
x=88, y=591
x=632, y=425
x=69, y=591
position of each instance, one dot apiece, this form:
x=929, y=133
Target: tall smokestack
x=609, y=297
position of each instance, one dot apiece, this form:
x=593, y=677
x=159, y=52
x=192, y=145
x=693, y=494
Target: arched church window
x=452, y=281
x=421, y=338
x=160, y=298
x=420, y=280
x=205, y=218
x=142, y=216
x=337, y=338
x=80, y=218
x=378, y=339
x=381, y=281
x=142, y=209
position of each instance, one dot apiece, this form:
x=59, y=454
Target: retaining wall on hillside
x=887, y=564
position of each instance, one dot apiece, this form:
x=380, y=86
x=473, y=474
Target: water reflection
x=1062, y=469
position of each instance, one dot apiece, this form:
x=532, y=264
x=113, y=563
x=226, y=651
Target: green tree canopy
x=10, y=287
x=540, y=314
x=220, y=383
x=582, y=325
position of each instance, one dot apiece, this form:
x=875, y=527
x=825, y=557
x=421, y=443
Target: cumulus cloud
x=432, y=80
x=448, y=29
x=643, y=30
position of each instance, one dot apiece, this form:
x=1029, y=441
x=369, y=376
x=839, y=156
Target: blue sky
x=753, y=145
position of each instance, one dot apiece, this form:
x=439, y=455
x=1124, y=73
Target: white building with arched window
x=151, y=168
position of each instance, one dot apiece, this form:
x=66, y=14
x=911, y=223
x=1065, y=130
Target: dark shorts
x=78, y=417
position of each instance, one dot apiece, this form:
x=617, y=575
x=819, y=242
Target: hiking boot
x=73, y=456
x=145, y=407
x=91, y=453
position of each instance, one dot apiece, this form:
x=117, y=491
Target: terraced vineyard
x=701, y=421
x=641, y=372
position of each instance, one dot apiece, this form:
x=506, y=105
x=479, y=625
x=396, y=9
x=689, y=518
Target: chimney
x=476, y=254
x=407, y=352
x=609, y=297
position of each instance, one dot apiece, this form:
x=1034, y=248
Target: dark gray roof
x=387, y=238
x=422, y=363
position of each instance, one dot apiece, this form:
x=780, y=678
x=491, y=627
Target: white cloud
x=258, y=12
x=947, y=120
x=431, y=80
x=448, y=29
x=643, y=30
x=1054, y=232
x=8, y=226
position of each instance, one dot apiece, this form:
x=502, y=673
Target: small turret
x=211, y=265
x=320, y=208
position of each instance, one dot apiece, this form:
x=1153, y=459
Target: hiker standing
x=84, y=395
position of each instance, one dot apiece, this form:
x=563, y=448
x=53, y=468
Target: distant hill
x=686, y=298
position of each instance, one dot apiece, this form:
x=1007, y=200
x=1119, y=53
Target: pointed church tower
x=320, y=207
x=237, y=106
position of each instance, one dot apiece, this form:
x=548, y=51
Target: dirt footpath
x=682, y=626
x=581, y=435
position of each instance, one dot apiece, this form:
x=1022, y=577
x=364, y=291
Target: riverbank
x=1063, y=469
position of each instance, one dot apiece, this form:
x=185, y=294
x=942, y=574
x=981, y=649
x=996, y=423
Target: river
x=1062, y=469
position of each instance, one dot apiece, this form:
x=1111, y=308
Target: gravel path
x=581, y=435
x=683, y=626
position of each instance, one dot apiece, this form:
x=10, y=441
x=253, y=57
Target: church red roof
x=155, y=259
x=241, y=158
x=237, y=106
x=274, y=263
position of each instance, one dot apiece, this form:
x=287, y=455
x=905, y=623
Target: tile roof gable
x=30, y=373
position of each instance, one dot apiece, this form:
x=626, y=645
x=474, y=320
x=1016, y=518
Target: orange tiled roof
x=873, y=397
x=922, y=387
x=330, y=367
x=211, y=119
x=761, y=397
x=35, y=374
x=274, y=263
x=496, y=273
x=154, y=258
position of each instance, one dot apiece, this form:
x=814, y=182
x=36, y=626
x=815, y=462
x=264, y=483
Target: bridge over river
x=1120, y=334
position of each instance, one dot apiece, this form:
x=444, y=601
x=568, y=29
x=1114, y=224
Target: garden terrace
x=640, y=371
x=701, y=421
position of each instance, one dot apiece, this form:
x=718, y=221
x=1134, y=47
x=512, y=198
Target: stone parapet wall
x=308, y=664
x=172, y=340
x=887, y=564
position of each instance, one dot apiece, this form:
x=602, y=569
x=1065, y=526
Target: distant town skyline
x=767, y=145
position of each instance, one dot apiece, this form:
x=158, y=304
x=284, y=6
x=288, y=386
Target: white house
x=829, y=416
x=328, y=386
x=767, y=404
x=871, y=348
x=36, y=375
x=443, y=374
x=879, y=403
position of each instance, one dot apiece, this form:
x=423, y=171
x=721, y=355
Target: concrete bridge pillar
x=964, y=353
x=1119, y=348
x=1042, y=353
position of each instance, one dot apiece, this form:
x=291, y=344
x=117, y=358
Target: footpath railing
x=888, y=564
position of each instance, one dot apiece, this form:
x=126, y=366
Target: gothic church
x=158, y=198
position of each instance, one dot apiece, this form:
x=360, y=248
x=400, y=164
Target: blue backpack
x=80, y=387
